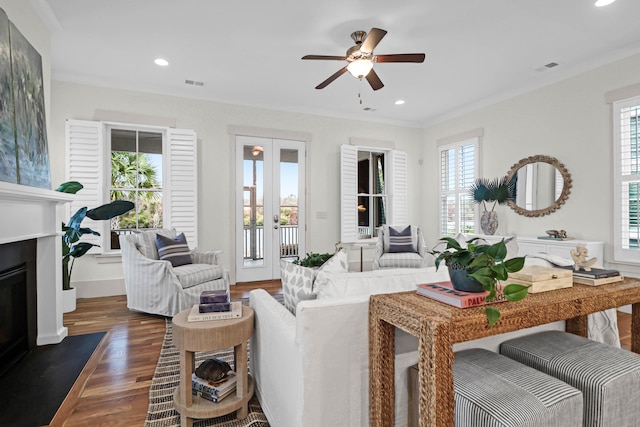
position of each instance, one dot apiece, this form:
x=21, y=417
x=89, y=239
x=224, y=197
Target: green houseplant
x=313, y=259
x=72, y=248
x=483, y=265
x=496, y=190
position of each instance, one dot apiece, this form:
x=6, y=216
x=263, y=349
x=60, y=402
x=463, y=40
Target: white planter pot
x=68, y=300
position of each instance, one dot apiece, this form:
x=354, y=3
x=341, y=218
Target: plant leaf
x=514, y=264
x=500, y=271
x=110, y=210
x=80, y=249
x=493, y=315
x=71, y=187
x=515, y=292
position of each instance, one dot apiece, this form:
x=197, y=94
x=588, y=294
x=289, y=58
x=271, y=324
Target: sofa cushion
x=400, y=260
x=332, y=285
x=401, y=240
x=191, y=275
x=338, y=263
x=146, y=241
x=297, y=284
x=176, y=250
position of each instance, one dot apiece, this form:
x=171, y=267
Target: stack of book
x=596, y=276
x=444, y=292
x=215, y=305
x=213, y=392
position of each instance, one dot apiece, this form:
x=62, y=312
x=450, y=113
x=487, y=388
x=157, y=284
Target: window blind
x=629, y=175
x=458, y=169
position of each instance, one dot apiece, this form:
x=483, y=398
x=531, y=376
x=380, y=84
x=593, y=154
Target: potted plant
x=313, y=260
x=497, y=190
x=73, y=231
x=478, y=268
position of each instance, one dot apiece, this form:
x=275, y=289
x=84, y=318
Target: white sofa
x=311, y=369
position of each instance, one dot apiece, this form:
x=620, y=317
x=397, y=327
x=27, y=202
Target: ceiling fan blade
x=337, y=74
x=400, y=57
x=374, y=80
x=329, y=57
x=373, y=38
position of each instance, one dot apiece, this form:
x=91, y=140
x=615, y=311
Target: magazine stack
x=211, y=391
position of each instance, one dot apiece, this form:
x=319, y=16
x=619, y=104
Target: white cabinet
x=530, y=245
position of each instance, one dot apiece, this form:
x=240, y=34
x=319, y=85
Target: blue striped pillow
x=175, y=250
x=401, y=240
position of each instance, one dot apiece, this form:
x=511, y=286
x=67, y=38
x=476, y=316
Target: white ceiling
x=248, y=51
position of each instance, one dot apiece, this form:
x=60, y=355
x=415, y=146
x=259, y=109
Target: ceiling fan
x=361, y=58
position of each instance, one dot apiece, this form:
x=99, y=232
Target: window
x=136, y=175
x=626, y=118
x=373, y=190
x=372, y=198
x=155, y=167
x=458, y=170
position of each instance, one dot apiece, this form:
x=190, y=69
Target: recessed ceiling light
x=399, y=102
x=161, y=62
x=600, y=3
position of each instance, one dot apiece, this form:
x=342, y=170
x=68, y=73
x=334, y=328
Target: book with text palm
x=444, y=292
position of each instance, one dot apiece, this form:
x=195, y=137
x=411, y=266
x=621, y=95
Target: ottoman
x=493, y=390
x=608, y=377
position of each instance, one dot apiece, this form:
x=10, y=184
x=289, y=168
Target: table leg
x=186, y=421
x=381, y=370
x=577, y=326
x=635, y=327
x=435, y=373
x=242, y=388
x=186, y=369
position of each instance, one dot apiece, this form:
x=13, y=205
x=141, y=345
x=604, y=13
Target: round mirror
x=542, y=185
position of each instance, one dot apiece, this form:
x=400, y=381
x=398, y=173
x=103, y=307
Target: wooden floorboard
x=116, y=391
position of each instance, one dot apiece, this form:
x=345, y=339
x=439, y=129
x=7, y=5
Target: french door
x=270, y=200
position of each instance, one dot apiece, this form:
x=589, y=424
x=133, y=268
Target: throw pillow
x=401, y=240
x=146, y=241
x=175, y=250
x=338, y=263
x=297, y=284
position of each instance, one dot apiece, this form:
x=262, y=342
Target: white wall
x=211, y=121
x=569, y=120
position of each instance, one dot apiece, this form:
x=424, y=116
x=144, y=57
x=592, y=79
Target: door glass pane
x=253, y=205
x=289, y=203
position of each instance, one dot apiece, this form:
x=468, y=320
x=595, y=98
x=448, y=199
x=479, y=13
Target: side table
x=190, y=337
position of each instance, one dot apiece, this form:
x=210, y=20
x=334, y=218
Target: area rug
x=44, y=378
x=161, y=411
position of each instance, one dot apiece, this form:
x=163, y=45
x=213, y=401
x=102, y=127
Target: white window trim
x=395, y=189
x=179, y=153
x=620, y=254
x=474, y=138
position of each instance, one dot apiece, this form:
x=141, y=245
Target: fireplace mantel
x=32, y=213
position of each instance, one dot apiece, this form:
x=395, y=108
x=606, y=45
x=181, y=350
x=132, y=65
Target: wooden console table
x=438, y=326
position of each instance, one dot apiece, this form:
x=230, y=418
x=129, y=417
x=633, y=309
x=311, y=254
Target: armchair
x=155, y=286
x=387, y=256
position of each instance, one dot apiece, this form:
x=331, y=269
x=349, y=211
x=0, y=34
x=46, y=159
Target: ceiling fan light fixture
x=360, y=67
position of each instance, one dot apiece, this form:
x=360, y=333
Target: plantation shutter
x=348, y=193
x=626, y=179
x=85, y=150
x=181, y=192
x=397, y=185
x=458, y=169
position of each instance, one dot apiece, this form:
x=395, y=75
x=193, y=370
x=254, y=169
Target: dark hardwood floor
x=114, y=388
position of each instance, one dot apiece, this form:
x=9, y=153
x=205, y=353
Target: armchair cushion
x=297, y=284
x=401, y=240
x=193, y=274
x=176, y=250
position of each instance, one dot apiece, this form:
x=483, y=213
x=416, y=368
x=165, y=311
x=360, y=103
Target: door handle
x=275, y=227
x=276, y=219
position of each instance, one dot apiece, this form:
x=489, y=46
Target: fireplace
x=18, y=312
x=31, y=217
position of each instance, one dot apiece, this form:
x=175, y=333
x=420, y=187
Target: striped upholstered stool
x=493, y=390
x=608, y=377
